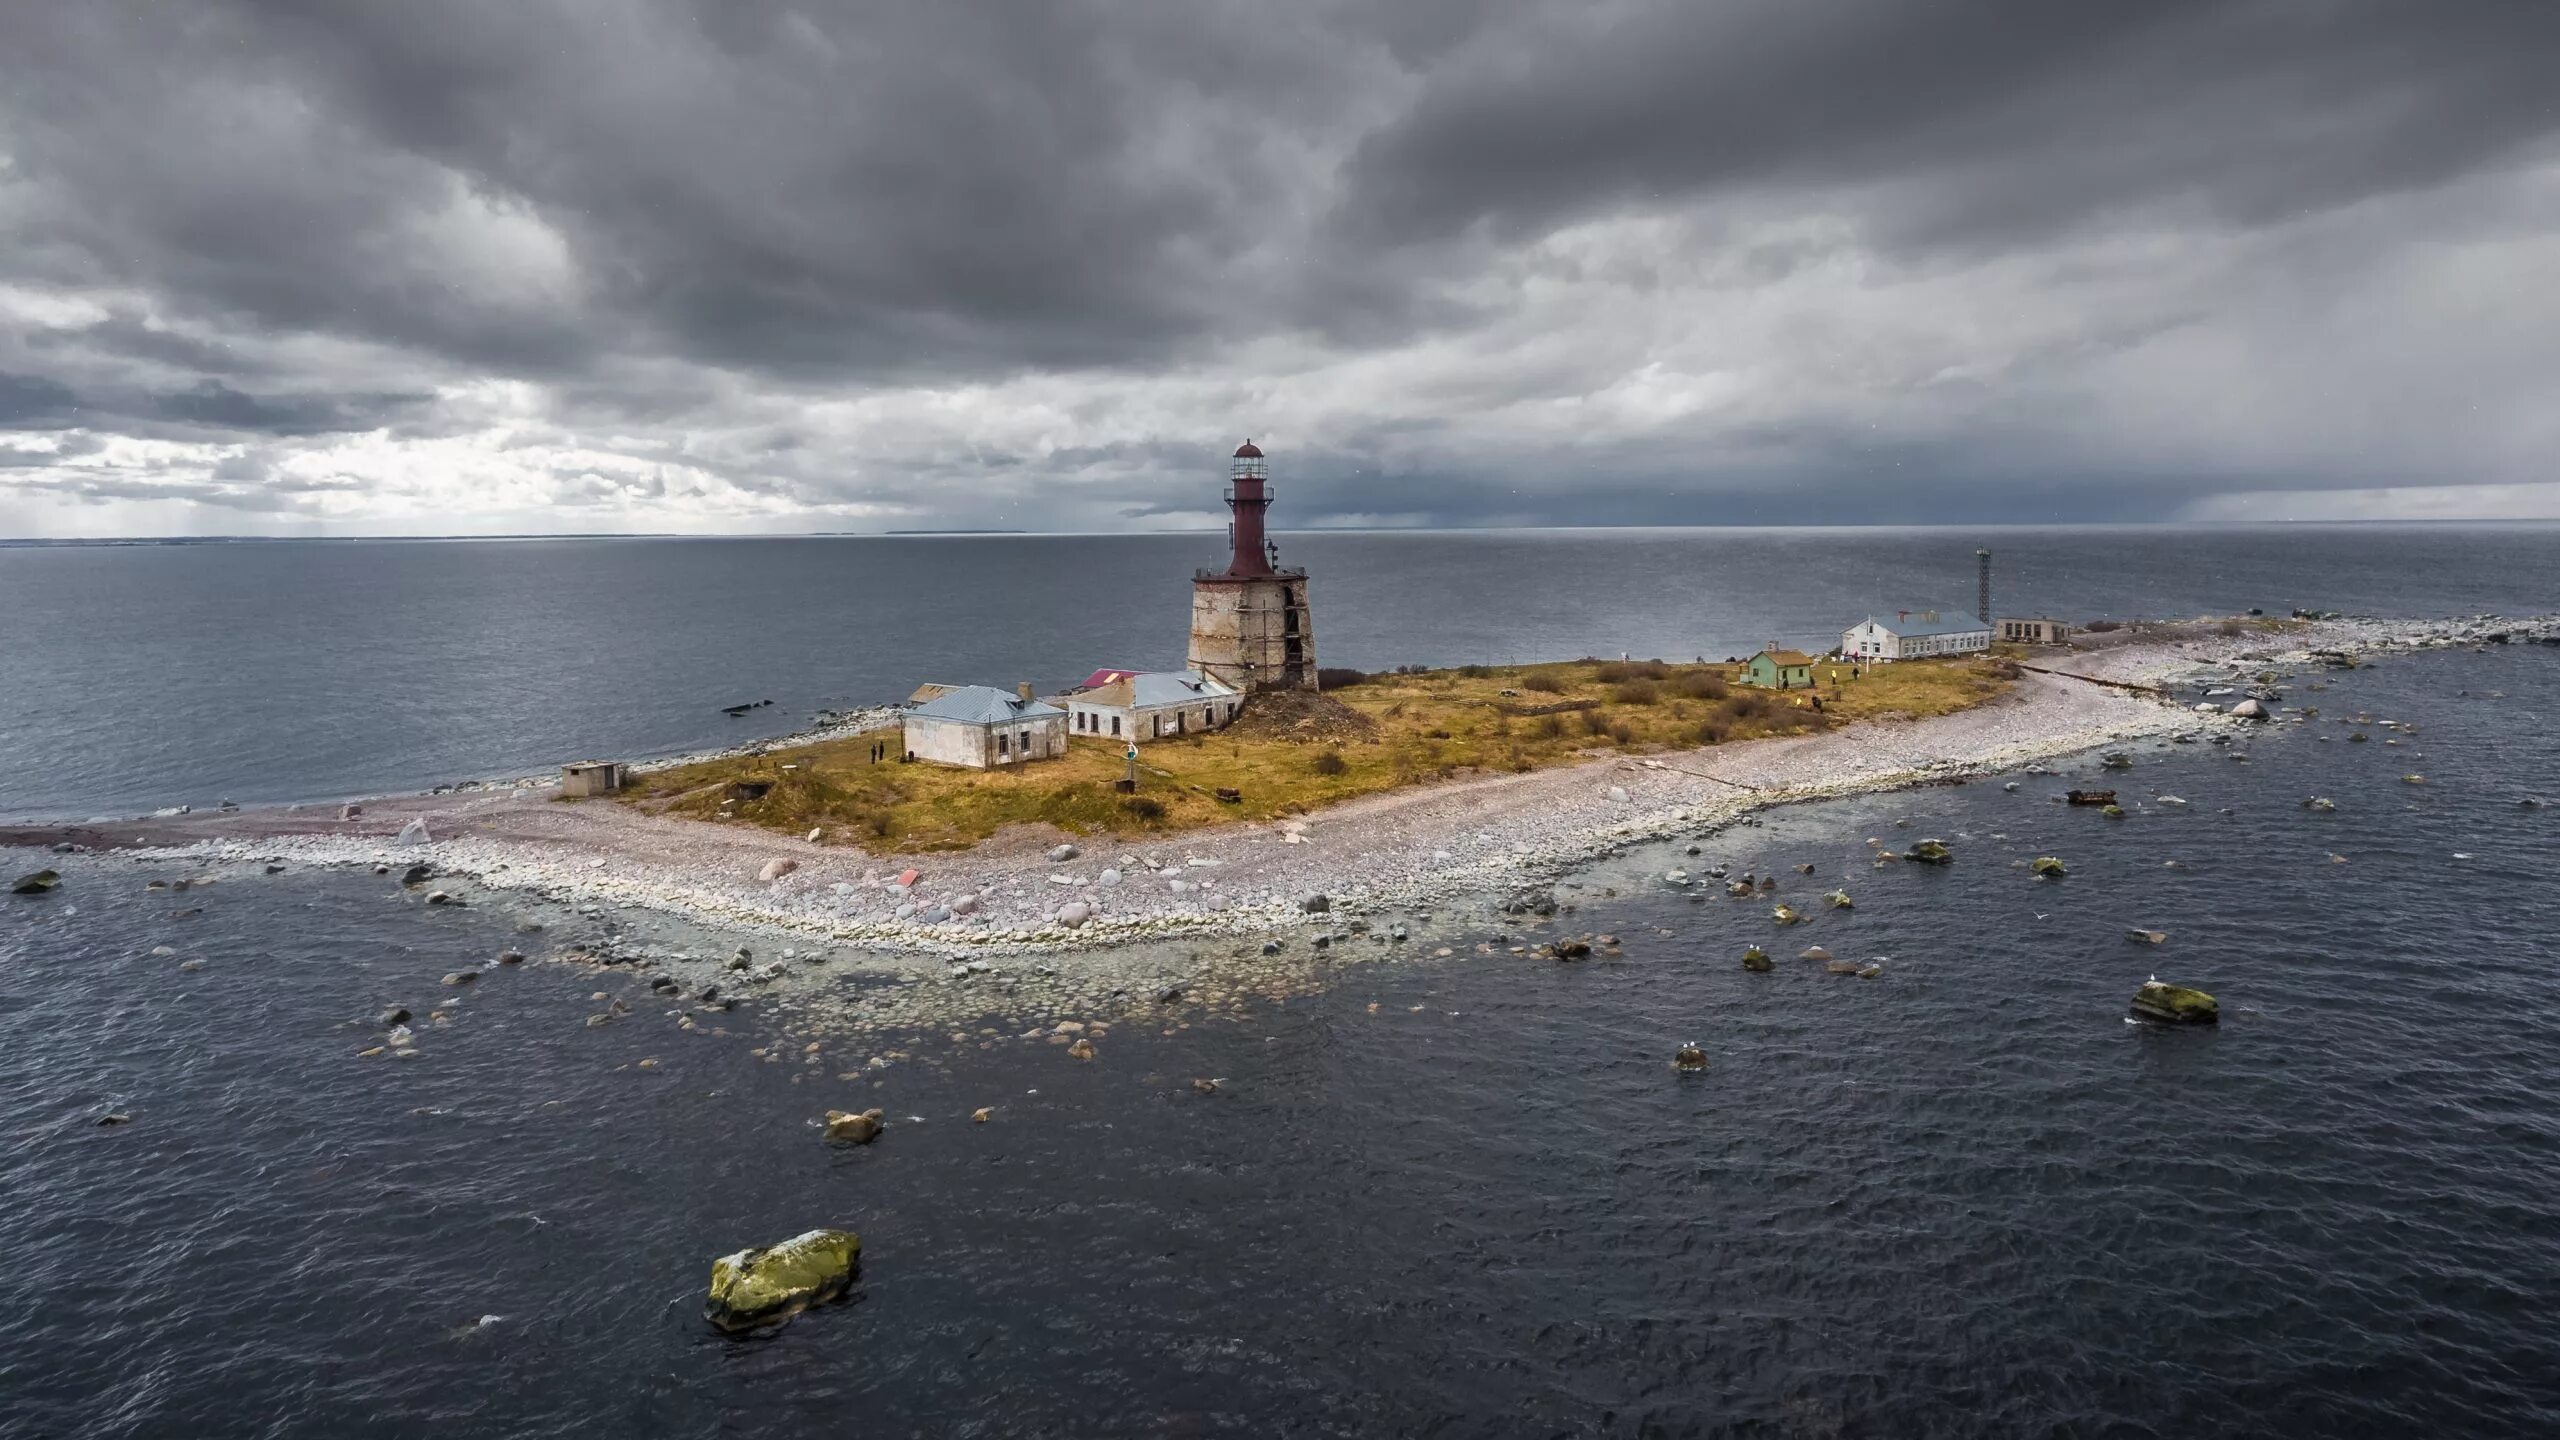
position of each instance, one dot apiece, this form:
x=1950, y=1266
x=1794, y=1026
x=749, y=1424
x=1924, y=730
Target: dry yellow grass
x=1431, y=725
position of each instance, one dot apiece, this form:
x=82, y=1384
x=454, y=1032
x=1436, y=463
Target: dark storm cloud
x=1999, y=116
x=643, y=244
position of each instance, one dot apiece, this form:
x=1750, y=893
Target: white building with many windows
x=1913, y=635
x=1151, y=704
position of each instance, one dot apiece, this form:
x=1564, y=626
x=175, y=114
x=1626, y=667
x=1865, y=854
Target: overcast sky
x=486, y=266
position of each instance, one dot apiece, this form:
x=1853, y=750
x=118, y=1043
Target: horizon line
x=978, y=534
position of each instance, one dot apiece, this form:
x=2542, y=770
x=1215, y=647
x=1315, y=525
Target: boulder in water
x=1081, y=1050
x=855, y=1128
x=2146, y=937
x=2112, y=812
x=1841, y=967
x=1839, y=900
x=1813, y=952
x=35, y=884
x=2048, y=867
x=757, y=1288
x=1690, y=1057
x=2169, y=1004
x=1930, y=852
x=417, y=875
x=1786, y=915
x=2249, y=710
x=1756, y=958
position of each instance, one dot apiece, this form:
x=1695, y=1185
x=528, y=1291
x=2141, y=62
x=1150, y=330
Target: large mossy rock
x=2048, y=867
x=1756, y=958
x=756, y=1288
x=1931, y=852
x=2175, y=1005
x=36, y=884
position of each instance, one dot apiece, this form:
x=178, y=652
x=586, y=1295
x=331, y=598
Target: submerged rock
x=756, y=1288
x=2146, y=937
x=2112, y=812
x=2175, y=1005
x=2048, y=867
x=1930, y=852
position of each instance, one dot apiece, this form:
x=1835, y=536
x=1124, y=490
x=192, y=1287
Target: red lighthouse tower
x=1248, y=495
x=1250, y=626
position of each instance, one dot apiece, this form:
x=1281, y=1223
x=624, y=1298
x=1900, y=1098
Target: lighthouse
x=1249, y=622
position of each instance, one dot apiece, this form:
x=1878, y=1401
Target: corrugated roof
x=984, y=705
x=1917, y=628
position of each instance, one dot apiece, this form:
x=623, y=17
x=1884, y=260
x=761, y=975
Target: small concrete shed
x=593, y=777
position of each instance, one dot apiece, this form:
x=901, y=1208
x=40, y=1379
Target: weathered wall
x=1240, y=633
x=1140, y=724
x=954, y=742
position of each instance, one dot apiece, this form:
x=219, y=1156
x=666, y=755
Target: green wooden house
x=1779, y=670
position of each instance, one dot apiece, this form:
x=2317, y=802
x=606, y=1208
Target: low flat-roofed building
x=982, y=728
x=594, y=777
x=1152, y=704
x=2032, y=631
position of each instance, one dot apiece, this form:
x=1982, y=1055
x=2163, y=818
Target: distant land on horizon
x=62, y=542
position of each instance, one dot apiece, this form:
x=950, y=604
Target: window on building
x=1115, y=724
x=1000, y=742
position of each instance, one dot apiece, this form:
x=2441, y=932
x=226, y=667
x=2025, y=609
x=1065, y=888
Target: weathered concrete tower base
x=1254, y=632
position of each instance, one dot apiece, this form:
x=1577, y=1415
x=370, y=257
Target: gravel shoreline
x=1405, y=848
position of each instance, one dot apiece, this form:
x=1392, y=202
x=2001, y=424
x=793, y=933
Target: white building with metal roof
x=1152, y=704
x=982, y=727
x=1913, y=635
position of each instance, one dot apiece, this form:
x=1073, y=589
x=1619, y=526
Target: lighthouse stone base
x=1254, y=632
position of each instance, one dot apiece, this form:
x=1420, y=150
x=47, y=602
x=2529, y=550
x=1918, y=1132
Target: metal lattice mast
x=1982, y=597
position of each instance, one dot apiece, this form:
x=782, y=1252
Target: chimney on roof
x=1023, y=690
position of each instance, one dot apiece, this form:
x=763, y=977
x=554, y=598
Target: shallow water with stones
x=1461, y=1195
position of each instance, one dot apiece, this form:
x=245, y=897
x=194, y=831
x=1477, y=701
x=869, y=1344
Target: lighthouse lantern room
x=1249, y=622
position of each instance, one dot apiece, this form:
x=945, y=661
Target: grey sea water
x=1461, y=1196
x=137, y=677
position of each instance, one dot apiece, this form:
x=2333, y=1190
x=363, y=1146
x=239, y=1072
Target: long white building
x=1913, y=635
x=1148, y=704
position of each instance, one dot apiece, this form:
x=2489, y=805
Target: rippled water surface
x=1460, y=1196
x=137, y=677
